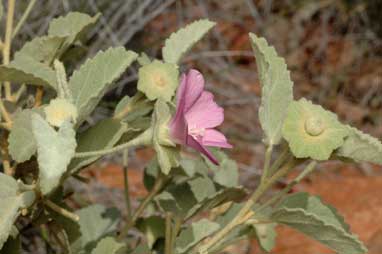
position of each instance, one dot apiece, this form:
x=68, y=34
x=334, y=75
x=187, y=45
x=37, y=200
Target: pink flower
x=196, y=116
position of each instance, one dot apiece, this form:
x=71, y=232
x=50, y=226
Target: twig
x=24, y=17
x=126, y=184
x=62, y=211
x=7, y=44
x=38, y=96
x=4, y=113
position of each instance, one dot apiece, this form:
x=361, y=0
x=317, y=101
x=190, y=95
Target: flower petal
x=215, y=138
x=193, y=88
x=199, y=147
x=205, y=113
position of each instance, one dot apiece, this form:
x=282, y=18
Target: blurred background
x=333, y=49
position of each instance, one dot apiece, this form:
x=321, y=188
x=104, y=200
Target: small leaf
x=22, y=144
x=130, y=109
x=107, y=132
x=153, y=227
x=108, y=245
x=158, y=80
x=311, y=131
x=360, y=146
x=310, y=216
x=96, y=222
x=227, y=174
x=181, y=41
x=73, y=25
x=54, y=151
x=266, y=235
x=193, y=234
x=277, y=88
x=42, y=49
x=26, y=70
x=94, y=78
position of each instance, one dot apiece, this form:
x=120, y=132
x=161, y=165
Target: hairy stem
x=126, y=184
x=168, y=234
x=243, y=213
x=142, y=139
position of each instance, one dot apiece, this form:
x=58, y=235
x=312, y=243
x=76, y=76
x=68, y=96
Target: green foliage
x=266, y=235
x=276, y=86
x=158, y=80
x=360, y=146
x=193, y=234
x=108, y=245
x=96, y=222
x=28, y=71
x=310, y=216
x=108, y=133
x=95, y=77
x=311, y=131
x=73, y=26
x=55, y=149
x=153, y=227
x=181, y=41
x=22, y=144
x=12, y=200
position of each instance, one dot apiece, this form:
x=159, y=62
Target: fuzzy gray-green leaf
x=360, y=146
x=310, y=216
x=95, y=77
x=55, y=149
x=73, y=25
x=181, y=41
x=277, y=88
x=29, y=71
x=22, y=144
x=193, y=234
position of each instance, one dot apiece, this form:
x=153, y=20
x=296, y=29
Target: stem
x=16, y=96
x=24, y=17
x=62, y=211
x=142, y=139
x=168, y=234
x=243, y=213
x=267, y=162
x=307, y=170
x=126, y=184
x=156, y=188
x=8, y=170
x=285, y=154
x=4, y=113
x=38, y=96
x=7, y=44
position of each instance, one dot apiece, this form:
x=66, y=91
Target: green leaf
x=153, y=227
x=108, y=245
x=55, y=149
x=277, y=88
x=96, y=222
x=22, y=144
x=42, y=49
x=180, y=42
x=158, y=80
x=130, y=109
x=193, y=234
x=360, y=146
x=312, y=131
x=12, y=245
x=310, y=216
x=12, y=200
x=26, y=70
x=72, y=25
x=266, y=235
x=94, y=78
x=107, y=132
x=227, y=174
